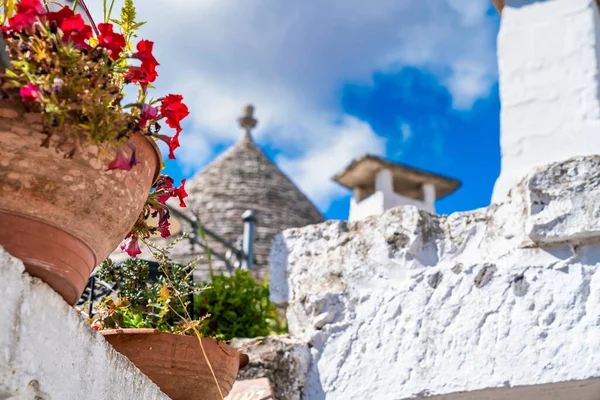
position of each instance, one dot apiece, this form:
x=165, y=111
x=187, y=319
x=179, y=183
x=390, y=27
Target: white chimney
x=548, y=59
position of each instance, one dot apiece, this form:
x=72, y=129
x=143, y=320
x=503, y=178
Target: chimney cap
x=499, y=4
x=408, y=181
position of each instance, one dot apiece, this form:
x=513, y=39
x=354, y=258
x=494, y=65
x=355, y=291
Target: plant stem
x=198, y=335
x=89, y=15
x=207, y=361
x=110, y=10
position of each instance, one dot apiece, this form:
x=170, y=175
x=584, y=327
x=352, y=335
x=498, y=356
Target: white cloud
x=290, y=59
x=349, y=139
x=406, y=131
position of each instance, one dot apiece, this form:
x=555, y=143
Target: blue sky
x=414, y=81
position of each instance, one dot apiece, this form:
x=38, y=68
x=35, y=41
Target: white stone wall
x=48, y=352
x=411, y=304
x=548, y=70
x=372, y=205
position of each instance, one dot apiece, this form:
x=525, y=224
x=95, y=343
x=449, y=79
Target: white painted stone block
x=548, y=61
x=412, y=304
x=48, y=352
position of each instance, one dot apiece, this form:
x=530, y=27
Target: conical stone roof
x=242, y=178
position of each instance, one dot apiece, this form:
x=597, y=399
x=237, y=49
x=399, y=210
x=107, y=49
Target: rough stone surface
x=411, y=304
x=548, y=59
x=48, y=352
x=282, y=359
x=251, y=389
x=561, y=202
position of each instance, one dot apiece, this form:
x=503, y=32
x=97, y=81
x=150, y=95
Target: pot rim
x=224, y=347
x=157, y=153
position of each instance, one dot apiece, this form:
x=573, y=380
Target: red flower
x=174, y=111
x=131, y=246
x=138, y=75
x=96, y=327
x=181, y=193
x=144, y=54
x=27, y=13
x=113, y=42
x=75, y=30
x=59, y=16
x=30, y=93
x=29, y=6
x=123, y=161
x=148, y=113
x=21, y=21
x=146, y=73
x=173, y=144
x=164, y=188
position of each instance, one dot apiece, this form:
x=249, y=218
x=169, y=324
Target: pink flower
x=164, y=181
x=123, y=161
x=30, y=93
x=163, y=227
x=131, y=246
x=148, y=113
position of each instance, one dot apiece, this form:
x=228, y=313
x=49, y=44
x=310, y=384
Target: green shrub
x=142, y=303
x=239, y=307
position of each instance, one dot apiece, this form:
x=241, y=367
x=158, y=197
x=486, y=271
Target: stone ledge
x=47, y=351
x=574, y=390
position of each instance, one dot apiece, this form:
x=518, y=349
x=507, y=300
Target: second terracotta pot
x=176, y=362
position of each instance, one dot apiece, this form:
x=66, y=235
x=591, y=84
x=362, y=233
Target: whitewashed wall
x=48, y=352
x=412, y=304
x=548, y=53
x=381, y=201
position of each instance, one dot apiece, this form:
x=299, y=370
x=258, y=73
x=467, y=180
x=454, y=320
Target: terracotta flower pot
x=176, y=363
x=62, y=217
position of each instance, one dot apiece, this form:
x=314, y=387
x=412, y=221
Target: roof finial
x=248, y=122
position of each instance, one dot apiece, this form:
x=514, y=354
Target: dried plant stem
x=208, y=362
x=198, y=335
x=89, y=15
